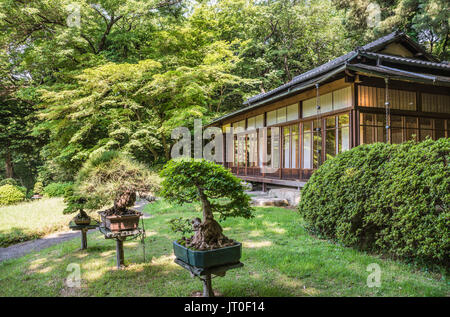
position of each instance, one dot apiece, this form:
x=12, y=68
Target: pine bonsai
x=190, y=180
x=113, y=178
x=75, y=203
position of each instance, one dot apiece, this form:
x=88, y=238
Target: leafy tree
x=426, y=21
x=190, y=180
x=16, y=141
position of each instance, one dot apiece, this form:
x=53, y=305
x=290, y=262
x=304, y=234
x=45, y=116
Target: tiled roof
x=334, y=65
x=409, y=61
x=401, y=74
x=328, y=66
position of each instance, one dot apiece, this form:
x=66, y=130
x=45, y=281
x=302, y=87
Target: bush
x=38, y=188
x=56, y=189
x=392, y=199
x=9, y=181
x=10, y=194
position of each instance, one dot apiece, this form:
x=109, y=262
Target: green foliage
x=56, y=189
x=185, y=178
x=426, y=21
x=9, y=181
x=74, y=203
x=105, y=176
x=134, y=70
x=10, y=194
x=38, y=188
x=391, y=199
x=180, y=224
x=14, y=236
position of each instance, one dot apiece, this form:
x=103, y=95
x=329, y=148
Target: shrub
x=38, y=188
x=56, y=189
x=392, y=199
x=10, y=194
x=9, y=181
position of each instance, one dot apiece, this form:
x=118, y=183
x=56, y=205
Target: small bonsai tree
x=112, y=177
x=189, y=180
x=75, y=203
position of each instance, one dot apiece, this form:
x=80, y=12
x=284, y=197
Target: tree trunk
x=125, y=200
x=9, y=165
x=166, y=149
x=208, y=234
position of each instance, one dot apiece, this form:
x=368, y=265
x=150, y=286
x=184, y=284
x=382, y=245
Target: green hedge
x=390, y=199
x=56, y=189
x=10, y=194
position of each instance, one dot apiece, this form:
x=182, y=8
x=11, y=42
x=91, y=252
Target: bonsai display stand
x=204, y=274
x=83, y=230
x=120, y=237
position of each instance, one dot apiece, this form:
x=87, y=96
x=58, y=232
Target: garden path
x=21, y=249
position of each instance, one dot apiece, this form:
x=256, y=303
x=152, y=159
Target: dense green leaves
x=185, y=179
x=392, y=199
x=426, y=21
x=10, y=194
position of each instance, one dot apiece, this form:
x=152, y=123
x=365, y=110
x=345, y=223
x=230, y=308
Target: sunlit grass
x=283, y=262
x=30, y=220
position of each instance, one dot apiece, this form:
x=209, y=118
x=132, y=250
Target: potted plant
x=189, y=180
x=76, y=203
x=113, y=178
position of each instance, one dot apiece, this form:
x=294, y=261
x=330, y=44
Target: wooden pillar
x=119, y=253
x=83, y=239
x=207, y=286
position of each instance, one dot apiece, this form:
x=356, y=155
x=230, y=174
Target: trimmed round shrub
x=56, y=189
x=10, y=194
x=390, y=199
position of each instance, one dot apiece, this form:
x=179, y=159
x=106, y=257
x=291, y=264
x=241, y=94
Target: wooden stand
x=205, y=274
x=120, y=237
x=83, y=231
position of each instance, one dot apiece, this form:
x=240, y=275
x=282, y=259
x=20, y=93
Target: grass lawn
x=280, y=259
x=31, y=220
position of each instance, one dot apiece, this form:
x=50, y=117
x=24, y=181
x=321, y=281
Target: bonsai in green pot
x=190, y=180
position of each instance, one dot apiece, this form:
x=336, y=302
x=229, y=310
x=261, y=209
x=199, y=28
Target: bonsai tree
x=113, y=178
x=75, y=203
x=189, y=180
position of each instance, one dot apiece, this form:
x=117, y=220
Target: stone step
x=269, y=201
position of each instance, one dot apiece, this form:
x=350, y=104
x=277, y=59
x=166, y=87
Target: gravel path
x=21, y=249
